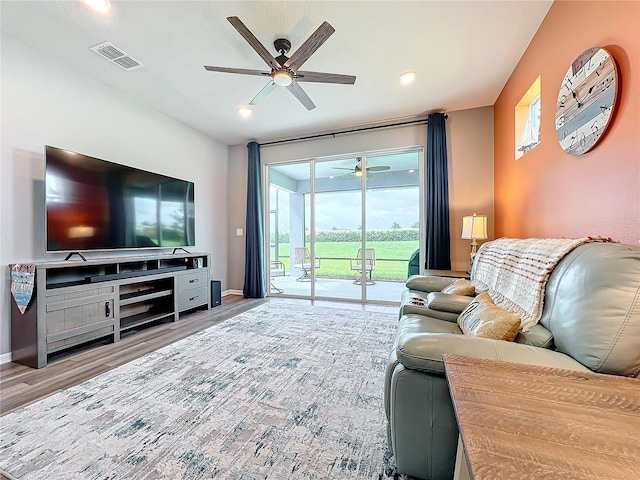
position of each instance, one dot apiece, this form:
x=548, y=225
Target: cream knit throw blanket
x=515, y=272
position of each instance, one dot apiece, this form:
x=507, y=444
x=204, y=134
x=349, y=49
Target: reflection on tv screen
x=93, y=204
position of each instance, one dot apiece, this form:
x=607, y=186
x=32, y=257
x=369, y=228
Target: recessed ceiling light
x=407, y=78
x=100, y=6
x=411, y=171
x=331, y=176
x=244, y=111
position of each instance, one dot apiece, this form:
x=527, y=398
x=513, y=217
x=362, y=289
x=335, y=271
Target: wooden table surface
x=522, y=421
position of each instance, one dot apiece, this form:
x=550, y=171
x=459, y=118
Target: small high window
x=527, y=120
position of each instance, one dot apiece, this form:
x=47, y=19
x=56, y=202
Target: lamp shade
x=474, y=226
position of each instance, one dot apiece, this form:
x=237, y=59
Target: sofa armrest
x=428, y=283
x=415, y=302
x=447, y=302
x=423, y=352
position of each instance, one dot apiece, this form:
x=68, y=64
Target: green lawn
x=391, y=258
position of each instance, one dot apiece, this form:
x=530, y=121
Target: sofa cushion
x=423, y=351
x=446, y=302
x=460, y=287
x=592, y=307
x=410, y=324
x=483, y=319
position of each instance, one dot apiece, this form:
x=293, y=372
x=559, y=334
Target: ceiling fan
x=357, y=170
x=284, y=70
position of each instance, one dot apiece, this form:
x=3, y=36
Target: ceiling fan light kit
x=282, y=78
x=285, y=70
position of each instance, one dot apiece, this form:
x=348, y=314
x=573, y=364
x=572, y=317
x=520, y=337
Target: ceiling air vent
x=115, y=55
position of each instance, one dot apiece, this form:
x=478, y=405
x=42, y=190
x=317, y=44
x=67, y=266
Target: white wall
x=470, y=155
x=45, y=102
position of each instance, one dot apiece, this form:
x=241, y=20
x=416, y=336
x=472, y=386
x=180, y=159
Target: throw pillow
x=482, y=318
x=460, y=287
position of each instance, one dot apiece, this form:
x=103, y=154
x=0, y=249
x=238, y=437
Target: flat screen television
x=93, y=204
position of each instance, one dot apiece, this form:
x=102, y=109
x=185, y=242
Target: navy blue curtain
x=437, y=211
x=254, y=282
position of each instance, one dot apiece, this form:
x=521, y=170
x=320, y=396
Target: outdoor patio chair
x=368, y=262
x=277, y=269
x=302, y=261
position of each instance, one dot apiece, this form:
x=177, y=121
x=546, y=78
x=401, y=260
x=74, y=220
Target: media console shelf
x=75, y=302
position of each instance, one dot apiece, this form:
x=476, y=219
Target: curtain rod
x=343, y=132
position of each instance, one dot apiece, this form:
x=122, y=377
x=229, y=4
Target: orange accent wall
x=549, y=193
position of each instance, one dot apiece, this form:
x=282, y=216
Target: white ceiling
x=462, y=51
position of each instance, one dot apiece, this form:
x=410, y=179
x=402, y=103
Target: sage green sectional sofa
x=590, y=321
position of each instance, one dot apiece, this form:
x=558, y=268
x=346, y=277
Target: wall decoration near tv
x=93, y=204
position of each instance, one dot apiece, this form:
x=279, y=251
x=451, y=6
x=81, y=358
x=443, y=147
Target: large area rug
x=278, y=392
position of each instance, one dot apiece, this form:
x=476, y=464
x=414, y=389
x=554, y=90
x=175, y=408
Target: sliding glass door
x=290, y=268
x=392, y=216
x=344, y=227
x=338, y=227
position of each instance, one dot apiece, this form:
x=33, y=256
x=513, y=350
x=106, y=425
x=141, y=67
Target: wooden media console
x=75, y=302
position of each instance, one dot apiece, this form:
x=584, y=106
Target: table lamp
x=474, y=227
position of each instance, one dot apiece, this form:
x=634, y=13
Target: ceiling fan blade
x=312, y=44
x=325, y=77
x=254, y=42
x=300, y=94
x=379, y=168
x=369, y=174
x=242, y=71
x=342, y=168
x=269, y=87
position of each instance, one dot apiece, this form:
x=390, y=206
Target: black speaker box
x=216, y=293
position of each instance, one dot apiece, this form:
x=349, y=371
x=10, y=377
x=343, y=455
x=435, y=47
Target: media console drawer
x=192, y=279
x=192, y=298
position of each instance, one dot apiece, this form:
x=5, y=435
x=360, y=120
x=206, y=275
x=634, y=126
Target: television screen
x=93, y=204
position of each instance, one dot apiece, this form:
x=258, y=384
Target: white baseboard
x=5, y=358
x=232, y=292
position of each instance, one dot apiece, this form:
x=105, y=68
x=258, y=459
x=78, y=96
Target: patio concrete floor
x=344, y=289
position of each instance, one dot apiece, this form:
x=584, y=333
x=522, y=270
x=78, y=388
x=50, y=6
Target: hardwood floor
x=21, y=385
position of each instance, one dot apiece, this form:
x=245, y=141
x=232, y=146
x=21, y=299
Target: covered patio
x=381, y=290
